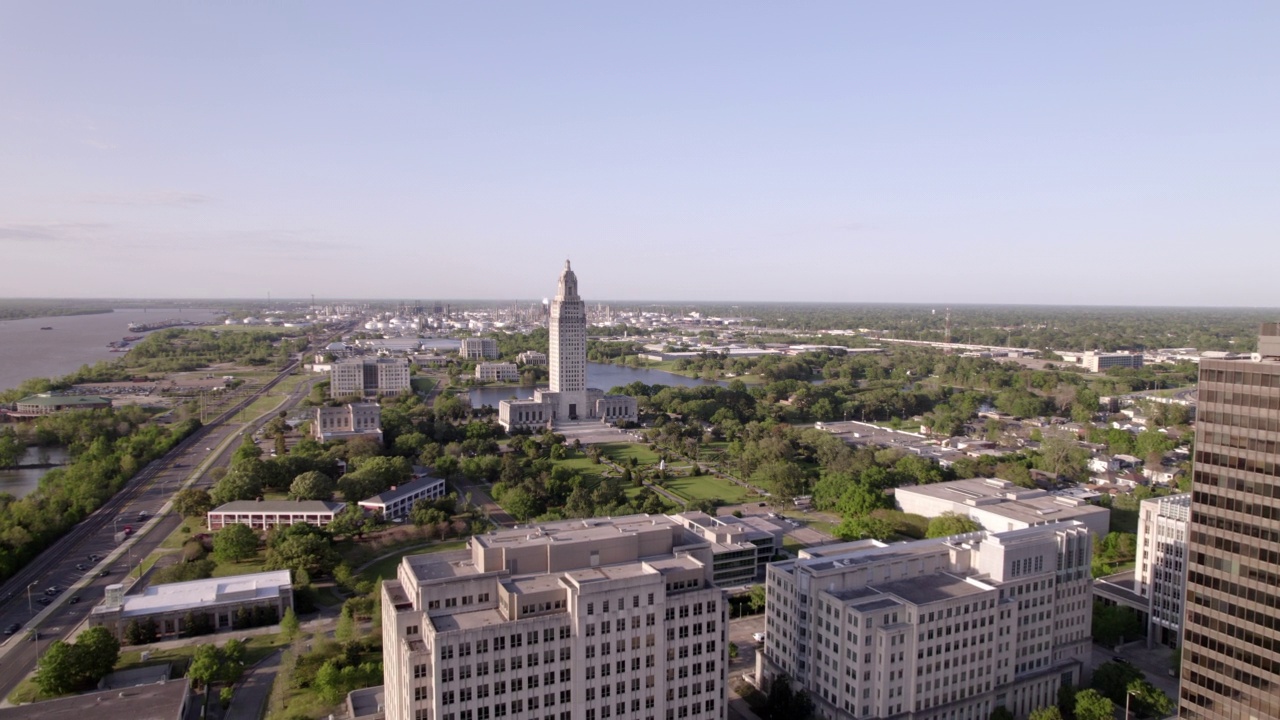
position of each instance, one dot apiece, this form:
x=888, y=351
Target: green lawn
x=422, y=385
x=385, y=568
x=707, y=487
x=255, y=564
x=194, y=526
x=621, y=453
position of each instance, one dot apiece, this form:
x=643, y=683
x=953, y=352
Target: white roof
x=178, y=596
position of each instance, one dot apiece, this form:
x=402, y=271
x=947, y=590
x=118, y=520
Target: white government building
x=941, y=629
x=597, y=619
x=568, y=398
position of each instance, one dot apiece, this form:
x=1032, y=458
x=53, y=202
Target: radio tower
x=948, y=326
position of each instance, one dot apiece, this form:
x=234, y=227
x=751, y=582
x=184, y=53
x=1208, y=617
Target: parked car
x=15, y=627
x=74, y=599
x=758, y=637
x=54, y=590
x=80, y=566
x=128, y=530
x=45, y=600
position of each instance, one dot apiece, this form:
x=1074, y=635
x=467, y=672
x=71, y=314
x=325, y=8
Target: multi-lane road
x=67, y=562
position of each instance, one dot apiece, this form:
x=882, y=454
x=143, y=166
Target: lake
x=21, y=481
x=599, y=375
x=26, y=351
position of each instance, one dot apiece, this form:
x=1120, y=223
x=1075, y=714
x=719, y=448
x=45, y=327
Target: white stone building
x=568, y=397
x=532, y=357
x=478, y=348
x=1161, y=567
x=578, y=620
x=266, y=514
x=369, y=377
x=398, y=501
x=497, y=372
x=347, y=421
x=171, y=604
x=1000, y=505
x=941, y=629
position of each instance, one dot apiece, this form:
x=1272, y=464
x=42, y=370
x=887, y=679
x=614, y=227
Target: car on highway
x=142, y=515
x=53, y=590
x=128, y=530
x=13, y=628
x=105, y=572
x=45, y=600
x=74, y=599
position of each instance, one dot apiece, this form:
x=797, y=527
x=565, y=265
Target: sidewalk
x=253, y=690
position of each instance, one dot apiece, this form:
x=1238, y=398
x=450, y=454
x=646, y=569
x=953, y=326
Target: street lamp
x=30, y=607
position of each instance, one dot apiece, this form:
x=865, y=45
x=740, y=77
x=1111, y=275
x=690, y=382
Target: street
x=98, y=535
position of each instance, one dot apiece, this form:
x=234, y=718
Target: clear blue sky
x=1097, y=153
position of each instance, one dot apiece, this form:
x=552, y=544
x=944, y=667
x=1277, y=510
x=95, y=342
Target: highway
x=67, y=562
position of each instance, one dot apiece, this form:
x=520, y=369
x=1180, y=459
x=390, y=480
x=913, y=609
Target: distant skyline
x=833, y=152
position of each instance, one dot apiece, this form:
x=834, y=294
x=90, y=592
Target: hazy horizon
x=829, y=152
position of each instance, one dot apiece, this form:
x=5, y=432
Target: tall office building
x=568, y=397
x=942, y=629
x=597, y=619
x=1230, y=644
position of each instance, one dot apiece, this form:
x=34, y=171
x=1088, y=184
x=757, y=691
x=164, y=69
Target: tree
x=289, y=625
x=66, y=667
x=192, y=502
x=948, y=524
x=59, y=671
x=345, y=631
x=520, y=503
x=99, y=650
x=1093, y=705
x=234, y=543
x=236, y=485
x=1000, y=713
x=756, y=598
x=1047, y=713
x=868, y=526
x=1149, y=700
x=312, y=485
x=350, y=522
x=206, y=665
x=312, y=553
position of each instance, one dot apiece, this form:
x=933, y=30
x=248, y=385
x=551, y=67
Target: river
x=26, y=351
x=599, y=375
x=20, y=481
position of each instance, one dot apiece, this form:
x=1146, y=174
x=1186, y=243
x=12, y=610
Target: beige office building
x=368, y=377
x=478, y=348
x=593, y=619
x=497, y=372
x=941, y=629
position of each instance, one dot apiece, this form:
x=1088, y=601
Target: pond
x=599, y=375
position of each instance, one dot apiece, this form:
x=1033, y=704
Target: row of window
x=464, y=600
x=500, y=643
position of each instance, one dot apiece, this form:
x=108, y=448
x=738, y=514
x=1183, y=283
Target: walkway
x=254, y=689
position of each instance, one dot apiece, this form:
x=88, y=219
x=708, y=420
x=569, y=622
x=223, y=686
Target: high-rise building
x=1161, y=567
x=1230, y=645
x=568, y=397
x=941, y=629
x=368, y=377
x=598, y=619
